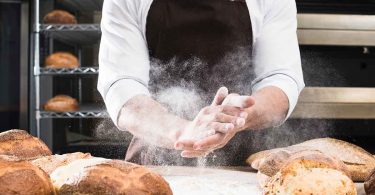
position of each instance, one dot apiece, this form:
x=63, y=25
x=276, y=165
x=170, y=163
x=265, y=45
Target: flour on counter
x=203, y=186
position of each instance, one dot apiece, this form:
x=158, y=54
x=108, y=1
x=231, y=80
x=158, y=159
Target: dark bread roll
x=21, y=145
x=61, y=103
x=370, y=184
x=59, y=17
x=23, y=178
x=61, y=60
x=103, y=176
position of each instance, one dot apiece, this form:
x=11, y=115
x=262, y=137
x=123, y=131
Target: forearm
x=270, y=109
x=144, y=117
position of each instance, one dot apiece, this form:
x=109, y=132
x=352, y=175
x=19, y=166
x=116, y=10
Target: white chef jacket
x=124, y=62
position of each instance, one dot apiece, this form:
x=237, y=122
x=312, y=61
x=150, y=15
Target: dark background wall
x=9, y=65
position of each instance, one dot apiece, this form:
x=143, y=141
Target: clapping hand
x=215, y=125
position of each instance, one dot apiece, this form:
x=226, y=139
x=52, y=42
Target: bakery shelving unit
x=44, y=37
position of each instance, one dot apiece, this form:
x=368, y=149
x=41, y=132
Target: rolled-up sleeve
x=277, y=59
x=123, y=58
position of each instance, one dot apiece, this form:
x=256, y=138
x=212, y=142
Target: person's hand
x=210, y=120
x=212, y=141
x=221, y=138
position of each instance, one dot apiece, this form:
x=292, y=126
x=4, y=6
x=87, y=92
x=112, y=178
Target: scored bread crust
x=61, y=103
x=50, y=163
x=357, y=161
x=59, y=17
x=305, y=177
x=369, y=184
x=103, y=176
x=61, y=60
x=23, y=178
x=275, y=161
x=21, y=145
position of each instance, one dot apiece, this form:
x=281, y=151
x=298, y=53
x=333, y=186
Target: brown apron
x=205, y=44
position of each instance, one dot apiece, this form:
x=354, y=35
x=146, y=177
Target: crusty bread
x=59, y=17
x=61, y=60
x=51, y=163
x=20, y=144
x=273, y=163
x=103, y=176
x=61, y=103
x=9, y=158
x=358, y=162
x=370, y=184
x=305, y=177
x=23, y=178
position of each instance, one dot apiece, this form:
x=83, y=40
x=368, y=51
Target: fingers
x=210, y=142
x=239, y=101
x=226, y=109
x=220, y=96
x=221, y=127
x=224, y=118
x=184, y=145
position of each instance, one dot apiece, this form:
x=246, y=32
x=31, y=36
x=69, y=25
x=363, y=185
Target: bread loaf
x=51, y=163
x=103, y=176
x=59, y=17
x=357, y=161
x=61, y=103
x=61, y=60
x=370, y=184
x=273, y=163
x=306, y=177
x=23, y=178
x=20, y=144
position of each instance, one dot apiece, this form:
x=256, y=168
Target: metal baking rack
x=77, y=114
x=72, y=34
x=69, y=71
x=47, y=38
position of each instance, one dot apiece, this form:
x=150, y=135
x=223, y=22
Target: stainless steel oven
x=337, y=42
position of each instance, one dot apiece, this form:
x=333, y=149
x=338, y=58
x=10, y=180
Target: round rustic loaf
x=50, y=163
x=61, y=60
x=23, y=146
x=103, y=176
x=370, y=183
x=306, y=177
x=23, y=178
x=61, y=103
x=59, y=17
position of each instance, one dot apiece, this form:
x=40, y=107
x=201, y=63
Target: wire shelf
x=81, y=34
x=69, y=71
x=78, y=114
x=82, y=5
x=85, y=111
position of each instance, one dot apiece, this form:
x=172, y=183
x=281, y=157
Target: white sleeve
x=277, y=60
x=123, y=57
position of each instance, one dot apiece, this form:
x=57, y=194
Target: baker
x=148, y=46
